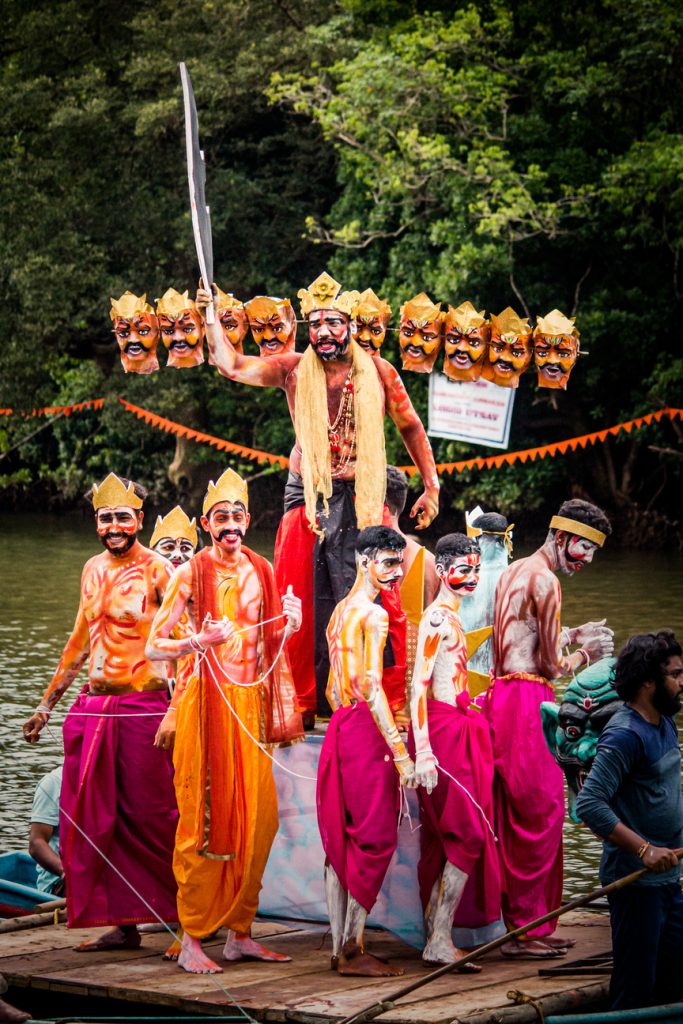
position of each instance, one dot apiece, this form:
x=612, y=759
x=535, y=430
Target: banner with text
x=475, y=411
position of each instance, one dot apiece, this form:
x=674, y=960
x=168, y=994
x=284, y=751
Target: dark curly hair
x=641, y=661
x=397, y=490
x=379, y=538
x=451, y=545
x=586, y=513
x=491, y=522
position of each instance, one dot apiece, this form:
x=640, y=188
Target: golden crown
x=226, y=300
x=177, y=525
x=263, y=307
x=554, y=324
x=421, y=310
x=508, y=322
x=325, y=293
x=370, y=306
x=112, y=492
x=128, y=305
x=172, y=303
x=465, y=317
x=229, y=487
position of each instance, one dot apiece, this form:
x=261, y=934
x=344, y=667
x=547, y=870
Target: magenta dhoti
x=528, y=795
x=118, y=789
x=358, y=802
x=454, y=828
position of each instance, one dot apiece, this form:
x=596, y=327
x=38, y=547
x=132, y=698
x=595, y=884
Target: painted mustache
x=134, y=348
x=231, y=532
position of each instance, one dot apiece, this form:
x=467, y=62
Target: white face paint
x=385, y=570
x=177, y=550
x=574, y=552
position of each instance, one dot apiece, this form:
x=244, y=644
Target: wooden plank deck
x=305, y=990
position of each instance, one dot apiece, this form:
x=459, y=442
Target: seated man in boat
x=632, y=800
x=118, y=813
x=43, y=840
x=363, y=760
x=239, y=699
x=451, y=745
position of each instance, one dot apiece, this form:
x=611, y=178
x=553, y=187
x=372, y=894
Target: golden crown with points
x=508, y=322
x=324, y=293
x=128, y=305
x=421, y=310
x=555, y=324
x=371, y=306
x=177, y=525
x=172, y=303
x=112, y=493
x=226, y=300
x=263, y=307
x=229, y=487
x=465, y=317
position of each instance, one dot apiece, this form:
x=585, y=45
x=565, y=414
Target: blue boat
x=19, y=892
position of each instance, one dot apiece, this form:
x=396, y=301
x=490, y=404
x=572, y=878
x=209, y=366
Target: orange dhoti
x=216, y=890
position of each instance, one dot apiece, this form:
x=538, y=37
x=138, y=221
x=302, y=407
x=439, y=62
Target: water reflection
x=41, y=560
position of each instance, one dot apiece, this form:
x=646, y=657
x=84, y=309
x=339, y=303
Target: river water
x=40, y=563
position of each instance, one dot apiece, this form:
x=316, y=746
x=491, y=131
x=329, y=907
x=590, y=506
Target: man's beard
x=118, y=552
x=340, y=349
x=664, y=702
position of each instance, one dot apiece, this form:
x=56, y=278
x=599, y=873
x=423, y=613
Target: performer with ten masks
x=337, y=398
x=447, y=733
x=117, y=789
x=528, y=657
x=240, y=699
x=363, y=759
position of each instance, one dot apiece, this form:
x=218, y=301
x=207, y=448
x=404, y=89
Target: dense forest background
x=521, y=153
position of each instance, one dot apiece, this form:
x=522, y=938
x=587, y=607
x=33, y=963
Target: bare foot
x=558, y=942
x=442, y=951
x=355, y=962
x=536, y=949
x=10, y=1013
x=125, y=937
x=243, y=947
x=194, y=960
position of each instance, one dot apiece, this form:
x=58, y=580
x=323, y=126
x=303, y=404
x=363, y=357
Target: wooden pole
x=376, y=1009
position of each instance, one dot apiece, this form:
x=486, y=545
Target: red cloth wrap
x=453, y=828
x=293, y=565
x=528, y=793
x=358, y=801
x=394, y=676
x=118, y=788
x=281, y=722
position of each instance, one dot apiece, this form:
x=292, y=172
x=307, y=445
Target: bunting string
x=261, y=457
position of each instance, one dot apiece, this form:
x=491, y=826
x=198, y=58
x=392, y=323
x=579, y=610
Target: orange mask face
x=420, y=341
x=137, y=337
x=555, y=358
x=234, y=322
x=464, y=351
x=183, y=336
x=371, y=332
x=508, y=357
x=273, y=327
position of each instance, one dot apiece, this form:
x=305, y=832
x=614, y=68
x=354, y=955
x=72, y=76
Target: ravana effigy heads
x=466, y=339
x=273, y=324
x=137, y=332
x=232, y=316
x=509, y=350
x=182, y=329
x=372, y=319
x=419, y=333
x=556, y=349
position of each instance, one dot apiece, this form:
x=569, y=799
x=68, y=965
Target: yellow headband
x=506, y=534
x=579, y=529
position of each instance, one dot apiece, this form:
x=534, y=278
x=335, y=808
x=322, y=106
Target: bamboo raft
x=37, y=961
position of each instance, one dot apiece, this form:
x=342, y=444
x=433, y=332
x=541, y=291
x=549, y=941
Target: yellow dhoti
x=215, y=891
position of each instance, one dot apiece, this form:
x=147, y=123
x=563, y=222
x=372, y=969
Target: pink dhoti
x=118, y=789
x=358, y=802
x=529, y=801
x=454, y=829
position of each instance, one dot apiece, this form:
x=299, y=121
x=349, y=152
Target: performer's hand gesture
x=33, y=726
x=426, y=508
x=406, y=772
x=291, y=606
x=215, y=632
x=593, y=633
x=425, y=770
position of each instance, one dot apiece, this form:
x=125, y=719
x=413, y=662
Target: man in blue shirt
x=43, y=843
x=632, y=800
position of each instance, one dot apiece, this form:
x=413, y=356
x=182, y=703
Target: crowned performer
x=509, y=352
x=372, y=319
x=273, y=324
x=337, y=398
x=240, y=700
x=117, y=789
x=527, y=658
x=182, y=329
x=420, y=333
x=232, y=316
x=137, y=332
x=466, y=338
x=556, y=349
x=451, y=745
x=175, y=537
x=494, y=535
x=363, y=758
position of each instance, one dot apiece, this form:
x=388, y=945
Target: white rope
x=404, y=811
x=470, y=797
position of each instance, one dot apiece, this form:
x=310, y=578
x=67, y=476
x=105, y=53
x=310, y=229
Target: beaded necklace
x=342, y=433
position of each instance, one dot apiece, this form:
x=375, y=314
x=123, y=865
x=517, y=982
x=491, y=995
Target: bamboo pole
x=383, y=1005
